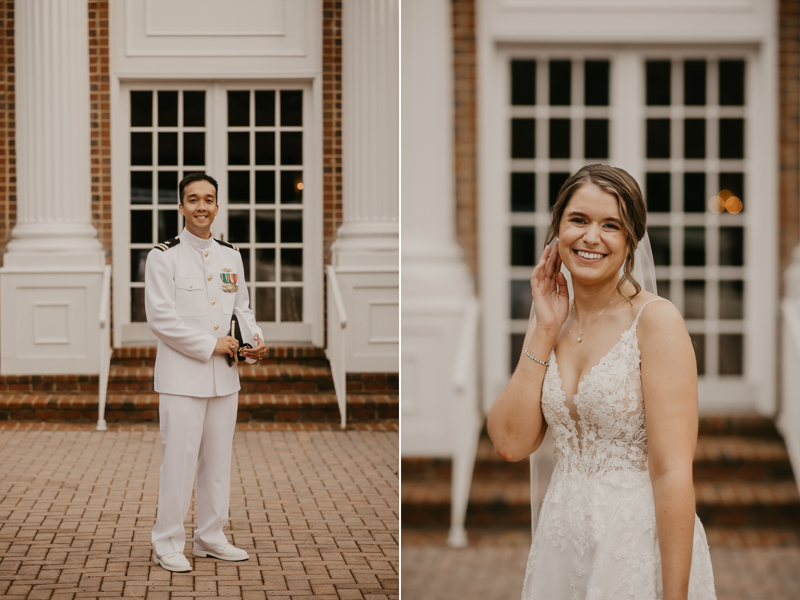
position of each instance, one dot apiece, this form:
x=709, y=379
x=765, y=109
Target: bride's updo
x=632, y=210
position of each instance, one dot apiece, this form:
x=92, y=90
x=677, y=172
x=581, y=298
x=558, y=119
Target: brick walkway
x=493, y=568
x=317, y=510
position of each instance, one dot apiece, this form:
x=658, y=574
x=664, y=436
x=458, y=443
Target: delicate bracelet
x=541, y=362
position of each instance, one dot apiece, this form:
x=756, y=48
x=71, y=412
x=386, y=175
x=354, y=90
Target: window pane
x=167, y=148
x=699, y=343
x=265, y=304
x=694, y=299
x=141, y=109
x=265, y=147
x=291, y=226
x=659, y=241
x=238, y=148
x=137, y=306
x=659, y=83
x=238, y=109
x=731, y=299
x=596, y=81
x=560, y=83
x=731, y=355
x=291, y=108
x=517, y=340
x=291, y=304
x=245, y=254
x=265, y=187
x=238, y=187
x=521, y=299
x=523, y=138
x=731, y=138
x=523, y=192
x=138, y=261
x=658, y=140
x=731, y=246
x=291, y=264
x=694, y=138
x=167, y=224
x=731, y=82
x=265, y=226
x=141, y=148
x=239, y=226
x=194, y=109
x=141, y=187
x=694, y=192
x=142, y=226
x=194, y=148
x=167, y=187
x=291, y=148
x=596, y=138
x=732, y=191
x=265, y=108
x=265, y=264
x=523, y=82
x=167, y=109
x=664, y=287
x=291, y=187
x=523, y=246
x=694, y=246
x=560, y=138
x=556, y=180
x=658, y=189
x=694, y=83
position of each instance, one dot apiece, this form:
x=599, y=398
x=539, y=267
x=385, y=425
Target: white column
x=51, y=43
x=369, y=235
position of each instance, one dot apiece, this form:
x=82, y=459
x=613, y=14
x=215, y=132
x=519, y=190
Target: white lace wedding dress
x=596, y=536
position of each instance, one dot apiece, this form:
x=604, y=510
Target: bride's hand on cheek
x=549, y=291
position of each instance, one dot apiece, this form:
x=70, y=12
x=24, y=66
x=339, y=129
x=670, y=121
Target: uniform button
x=213, y=302
x=216, y=327
x=209, y=278
x=206, y=253
x=191, y=286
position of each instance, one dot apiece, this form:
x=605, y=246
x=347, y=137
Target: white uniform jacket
x=188, y=310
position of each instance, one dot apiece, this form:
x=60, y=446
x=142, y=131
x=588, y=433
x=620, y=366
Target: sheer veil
x=644, y=273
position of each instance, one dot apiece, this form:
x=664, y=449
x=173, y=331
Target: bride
x=613, y=375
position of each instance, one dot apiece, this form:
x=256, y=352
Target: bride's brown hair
x=632, y=210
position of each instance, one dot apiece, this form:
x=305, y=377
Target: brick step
x=145, y=356
x=748, y=425
x=123, y=407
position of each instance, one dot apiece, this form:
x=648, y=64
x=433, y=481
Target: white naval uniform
x=188, y=310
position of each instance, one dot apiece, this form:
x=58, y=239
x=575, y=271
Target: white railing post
x=337, y=325
x=105, y=347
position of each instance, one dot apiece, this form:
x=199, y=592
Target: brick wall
x=331, y=122
x=8, y=173
x=789, y=184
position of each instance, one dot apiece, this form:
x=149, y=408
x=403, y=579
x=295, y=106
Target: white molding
x=583, y=6
x=151, y=27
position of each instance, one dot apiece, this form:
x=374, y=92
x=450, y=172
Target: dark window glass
x=291, y=264
x=664, y=287
x=658, y=138
x=265, y=304
x=731, y=138
x=595, y=140
x=238, y=109
x=659, y=241
x=521, y=299
x=291, y=148
x=291, y=304
x=694, y=138
x=265, y=147
x=694, y=246
x=694, y=83
x=167, y=148
x=731, y=187
x=194, y=148
x=167, y=187
x=694, y=192
x=694, y=299
x=265, y=108
x=167, y=109
x=517, y=341
x=238, y=187
x=265, y=264
x=523, y=82
x=142, y=226
x=731, y=354
x=596, y=81
x=194, y=109
x=141, y=187
x=141, y=109
x=265, y=187
x=731, y=246
x=699, y=343
x=731, y=299
x=291, y=226
x=167, y=224
x=731, y=82
x=265, y=226
x=141, y=148
x=291, y=187
x=291, y=108
x=560, y=138
x=560, y=83
x=238, y=148
x=523, y=192
x=554, y=183
x=523, y=138
x=245, y=254
x=523, y=246
x=239, y=226
x=138, y=314
x=659, y=83
x=658, y=189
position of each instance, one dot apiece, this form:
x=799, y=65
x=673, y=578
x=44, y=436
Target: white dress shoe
x=175, y=562
x=226, y=552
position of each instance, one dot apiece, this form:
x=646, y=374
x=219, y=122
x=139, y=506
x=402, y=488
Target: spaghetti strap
x=636, y=320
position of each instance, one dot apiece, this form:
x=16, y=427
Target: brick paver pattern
x=316, y=510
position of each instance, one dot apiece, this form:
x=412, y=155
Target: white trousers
x=196, y=434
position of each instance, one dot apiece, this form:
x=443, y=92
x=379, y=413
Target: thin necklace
x=575, y=310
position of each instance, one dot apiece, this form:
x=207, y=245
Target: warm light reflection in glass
x=725, y=201
x=299, y=185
